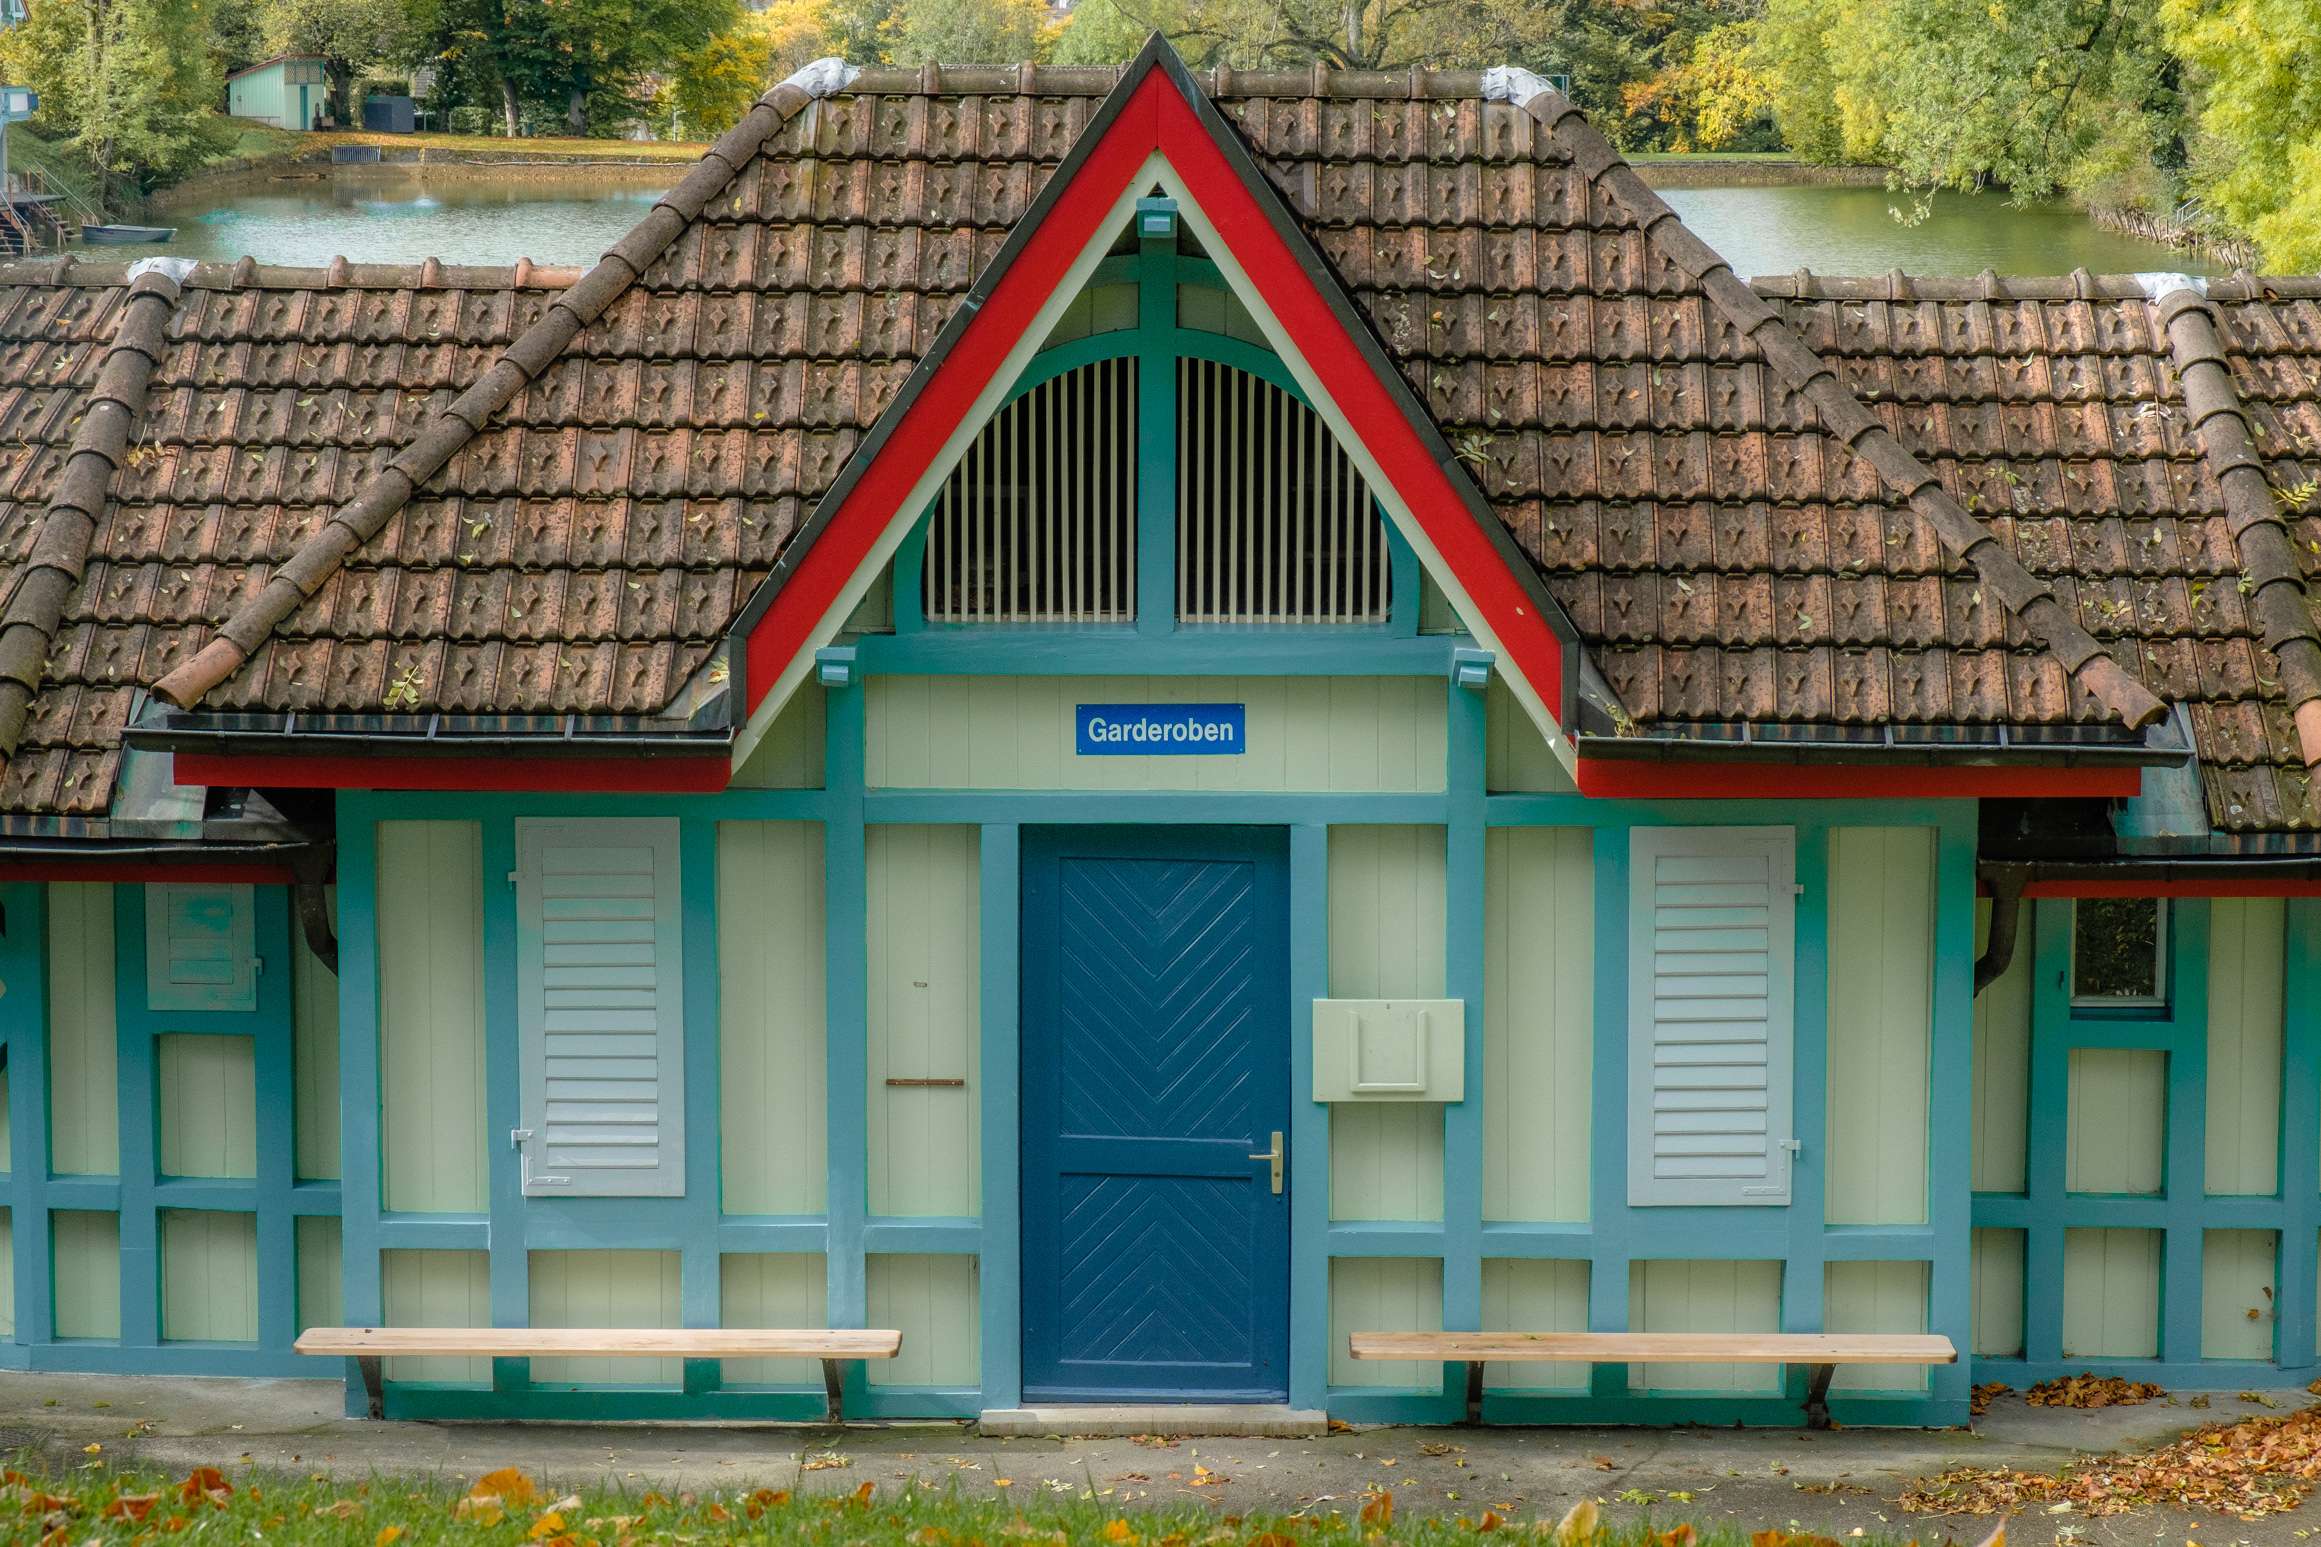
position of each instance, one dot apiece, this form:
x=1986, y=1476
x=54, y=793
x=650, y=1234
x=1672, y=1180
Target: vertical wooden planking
x=790, y=755
x=1671, y=1295
x=772, y=1041
x=86, y=1251
x=1875, y=1297
x=2247, y=939
x=83, y=1039
x=321, y=1292
x=605, y=1289
x=2002, y=1066
x=925, y=1020
x=1539, y=1022
x=1536, y=1295
x=431, y=1015
x=2237, y=1293
x=314, y=1065
x=208, y=1097
x=436, y=1289
x=1387, y=900
x=2118, y=1120
x=1881, y=996
x=772, y=1289
x=1383, y=1294
x=2111, y=1294
x=1517, y=759
x=933, y=1301
x=209, y=1277
x=1997, y=1328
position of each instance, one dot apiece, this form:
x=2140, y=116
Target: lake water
x=561, y=216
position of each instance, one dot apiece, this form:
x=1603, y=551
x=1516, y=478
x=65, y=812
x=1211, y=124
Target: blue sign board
x=1161, y=730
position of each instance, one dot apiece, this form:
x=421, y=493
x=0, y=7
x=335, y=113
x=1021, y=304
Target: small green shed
x=287, y=91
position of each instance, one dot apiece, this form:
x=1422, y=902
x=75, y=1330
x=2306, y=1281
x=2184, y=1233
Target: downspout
x=311, y=873
x=2006, y=882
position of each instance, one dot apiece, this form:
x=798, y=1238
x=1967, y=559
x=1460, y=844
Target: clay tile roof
x=1810, y=503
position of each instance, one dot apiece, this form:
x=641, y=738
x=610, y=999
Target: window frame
x=2162, y=979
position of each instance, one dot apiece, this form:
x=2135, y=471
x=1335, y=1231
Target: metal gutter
x=2162, y=744
x=291, y=734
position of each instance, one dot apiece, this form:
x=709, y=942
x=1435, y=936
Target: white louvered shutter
x=1711, y=1014
x=201, y=947
x=599, y=968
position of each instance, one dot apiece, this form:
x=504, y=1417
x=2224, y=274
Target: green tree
x=350, y=36
x=2257, y=151
x=710, y=87
x=128, y=83
x=969, y=32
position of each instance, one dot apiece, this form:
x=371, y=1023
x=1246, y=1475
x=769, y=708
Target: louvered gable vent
x=599, y=969
x=201, y=950
x=1712, y=987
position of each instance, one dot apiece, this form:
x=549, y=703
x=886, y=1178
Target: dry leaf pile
x=2091, y=1391
x=1979, y=1400
x=2250, y=1469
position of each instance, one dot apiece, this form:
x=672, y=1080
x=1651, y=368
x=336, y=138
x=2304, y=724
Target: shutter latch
x=518, y=1137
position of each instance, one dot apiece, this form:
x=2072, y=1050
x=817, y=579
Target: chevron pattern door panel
x=1156, y=1064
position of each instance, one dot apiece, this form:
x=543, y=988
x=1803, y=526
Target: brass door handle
x=1274, y=1156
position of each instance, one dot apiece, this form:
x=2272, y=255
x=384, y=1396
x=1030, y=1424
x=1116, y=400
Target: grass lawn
x=97, y=1502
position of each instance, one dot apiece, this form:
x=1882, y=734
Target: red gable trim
x=217, y=873
x=1618, y=779
x=577, y=775
x=1157, y=116
x=2222, y=886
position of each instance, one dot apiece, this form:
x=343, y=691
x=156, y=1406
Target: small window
x=2119, y=952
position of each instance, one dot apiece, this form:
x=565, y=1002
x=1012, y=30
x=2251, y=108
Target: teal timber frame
x=2181, y=1211
x=847, y=1234
x=138, y=1193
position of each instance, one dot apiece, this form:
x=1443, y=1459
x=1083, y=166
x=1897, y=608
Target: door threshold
x=1094, y=1421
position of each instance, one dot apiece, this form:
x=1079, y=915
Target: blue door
x=1155, y=1076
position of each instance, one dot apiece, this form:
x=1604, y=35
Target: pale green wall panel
x=431, y=1015
x=1304, y=733
x=314, y=1063
x=2111, y=1294
x=2002, y=1065
x=1535, y=1295
x=790, y=755
x=1875, y=1297
x=87, y=1271
x=606, y=1289
x=1881, y=999
x=2117, y=1132
x=2246, y=938
x=1997, y=1317
x=437, y=1289
x=208, y=1092
x=933, y=1301
x=1383, y=1294
x=771, y=1005
x=1387, y=893
x=209, y=1277
x=925, y=1016
x=1515, y=756
x=1539, y=940
x=84, y=1115
x=2237, y=1269
x=773, y=1289
x=321, y=1293
x=1685, y=1296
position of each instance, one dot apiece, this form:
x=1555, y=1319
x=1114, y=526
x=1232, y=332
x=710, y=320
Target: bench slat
x=1657, y=1347
x=600, y=1343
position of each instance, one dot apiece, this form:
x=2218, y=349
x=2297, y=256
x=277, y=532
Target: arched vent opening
x=1037, y=524
x=1274, y=522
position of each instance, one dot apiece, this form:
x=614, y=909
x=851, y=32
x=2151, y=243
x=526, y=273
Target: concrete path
x=1832, y=1483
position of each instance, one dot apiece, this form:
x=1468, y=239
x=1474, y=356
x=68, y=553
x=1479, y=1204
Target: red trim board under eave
x=1155, y=117
x=577, y=775
x=2222, y=886
x=1621, y=779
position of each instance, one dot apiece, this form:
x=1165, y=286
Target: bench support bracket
x=374, y=1389
x=834, y=1388
x=1817, y=1396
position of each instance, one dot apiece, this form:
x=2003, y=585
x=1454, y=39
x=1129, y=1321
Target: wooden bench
x=1820, y=1352
x=835, y=1347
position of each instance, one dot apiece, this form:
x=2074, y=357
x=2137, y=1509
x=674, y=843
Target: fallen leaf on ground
x=2091, y=1391
x=1979, y=1400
